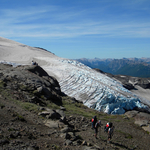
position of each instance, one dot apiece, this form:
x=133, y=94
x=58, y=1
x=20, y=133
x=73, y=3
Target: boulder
x=51, y=124
x=66, y=129
x=143, y=116
x=147, y=128
x=143, y=82
x=131, y=114
x=50, y=114
x=143, y=120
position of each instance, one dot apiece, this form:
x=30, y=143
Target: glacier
x=98, y=91
x=94, y=89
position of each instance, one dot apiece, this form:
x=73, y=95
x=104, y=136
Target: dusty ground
x=21, y=129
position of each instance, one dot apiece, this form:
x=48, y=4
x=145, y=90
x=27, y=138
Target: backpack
x=98, y=124
x=108, y=125
x=110, y=131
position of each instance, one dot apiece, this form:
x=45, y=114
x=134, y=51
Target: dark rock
x=52, y=114
x=128, y=81
x=143, y=82
x=128, y=86
x=31, y=79
x=3, y=142
x=35, y=69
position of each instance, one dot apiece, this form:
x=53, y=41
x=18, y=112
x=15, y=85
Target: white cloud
x=56, y=22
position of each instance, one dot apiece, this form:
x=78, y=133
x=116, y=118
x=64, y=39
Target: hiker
x=110, y=133
x=98, y=124
x=94, y=120
x=34, y=63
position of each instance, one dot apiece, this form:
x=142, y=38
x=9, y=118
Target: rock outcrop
x=33, y=81
x=142, y=119
x=129, y=82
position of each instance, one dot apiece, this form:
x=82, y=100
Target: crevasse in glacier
x=96, y=90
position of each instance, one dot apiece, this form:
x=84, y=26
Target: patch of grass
x=78, y=109
x=110, y=117
x=2, y=84
x=25, y=105
x=102, y=137
x=55, y=147
x=126, y=135
x=147, y=132
x=6, y=93
x=129, y=136
x=79, y=137
x=117, y=120
x=29, y=106
x=11, y=129
x=35, y=92
x=19, y=117
x=22, y=87
x=53, y=106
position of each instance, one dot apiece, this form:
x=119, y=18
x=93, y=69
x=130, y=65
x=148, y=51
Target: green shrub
x=29, y=106
x=53, y=106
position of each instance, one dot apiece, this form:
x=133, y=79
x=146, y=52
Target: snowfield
x=94, y=89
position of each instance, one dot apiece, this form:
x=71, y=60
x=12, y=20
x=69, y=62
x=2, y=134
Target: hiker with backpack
x=110, y=132
x=97, y=125
x=106, y=127
x=94, y=120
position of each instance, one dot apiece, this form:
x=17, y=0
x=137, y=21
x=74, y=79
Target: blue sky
x=79, y=28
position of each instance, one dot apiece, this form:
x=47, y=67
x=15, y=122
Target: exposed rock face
x=30, y=79
x=141, y=118
x=128, y=81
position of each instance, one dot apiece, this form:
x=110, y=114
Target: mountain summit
x=94, y=89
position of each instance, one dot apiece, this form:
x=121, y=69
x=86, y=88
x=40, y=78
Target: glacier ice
x=94, y=89
x=98, y=91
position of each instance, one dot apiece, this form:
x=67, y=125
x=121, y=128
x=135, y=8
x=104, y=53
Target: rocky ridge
x=129, y=82
x=132, y=83
x=36, y=115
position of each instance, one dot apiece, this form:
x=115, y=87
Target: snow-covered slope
x=77, y=80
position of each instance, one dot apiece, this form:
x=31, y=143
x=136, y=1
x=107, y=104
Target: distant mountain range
x=137, y=67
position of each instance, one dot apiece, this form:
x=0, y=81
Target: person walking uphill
x=97, y=125
x=94, y=120
x=110, y=133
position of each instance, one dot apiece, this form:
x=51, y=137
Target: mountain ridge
x=138, y=67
